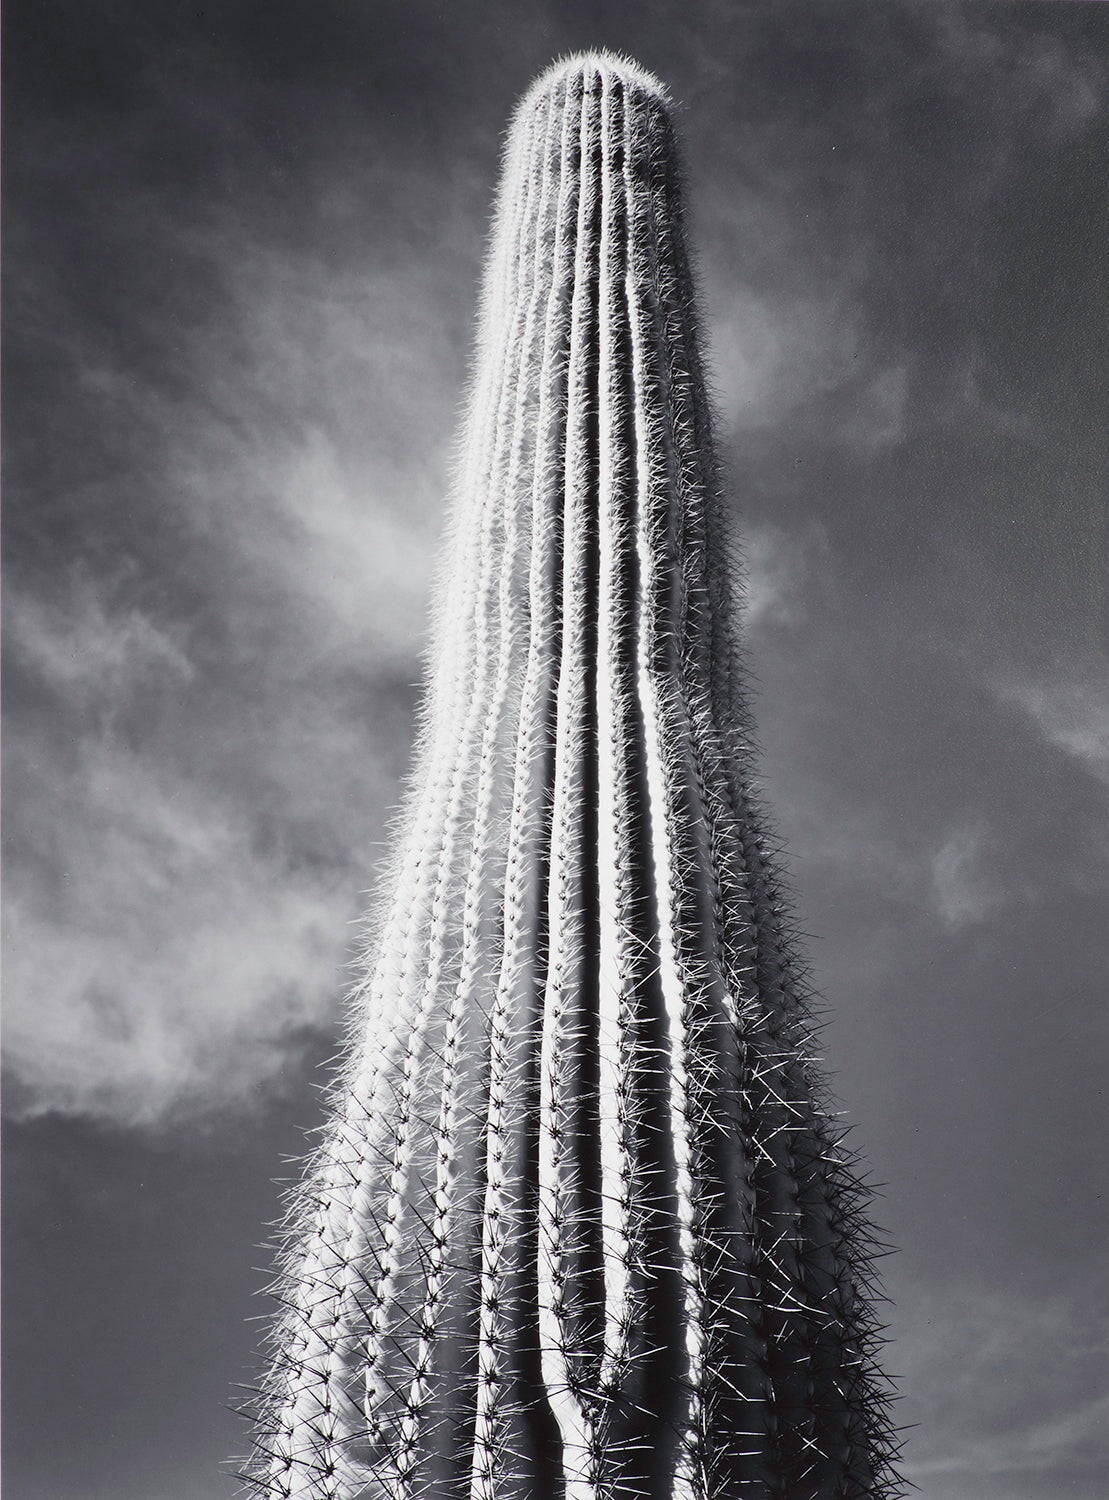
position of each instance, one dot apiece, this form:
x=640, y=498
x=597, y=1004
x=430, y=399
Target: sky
x=243, y=251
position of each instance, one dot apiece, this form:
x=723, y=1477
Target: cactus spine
x=578, y=1224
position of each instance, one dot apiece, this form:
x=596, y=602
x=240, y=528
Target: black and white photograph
x=556, y=748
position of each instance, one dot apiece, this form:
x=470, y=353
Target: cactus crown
x=579, y=1224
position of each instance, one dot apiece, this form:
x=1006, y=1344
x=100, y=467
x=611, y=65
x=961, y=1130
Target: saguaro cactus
x=579, y=1225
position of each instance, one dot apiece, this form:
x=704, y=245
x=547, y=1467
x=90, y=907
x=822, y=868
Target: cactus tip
x=602, y=62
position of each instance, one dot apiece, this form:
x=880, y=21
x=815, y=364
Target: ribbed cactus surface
x=578, y=1225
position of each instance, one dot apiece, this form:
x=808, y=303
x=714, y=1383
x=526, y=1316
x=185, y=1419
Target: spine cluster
x=579, y=1225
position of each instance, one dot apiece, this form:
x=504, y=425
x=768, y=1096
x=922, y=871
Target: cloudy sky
x=243, y=250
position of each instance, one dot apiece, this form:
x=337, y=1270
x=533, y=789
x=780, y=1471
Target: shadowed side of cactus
x=579, y=1225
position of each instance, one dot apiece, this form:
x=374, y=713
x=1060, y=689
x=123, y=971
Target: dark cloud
x=243, y=249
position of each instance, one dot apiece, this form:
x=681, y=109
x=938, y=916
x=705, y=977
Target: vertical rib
x=654, y=544
x=478, y=956
x=563, y=1209
x=457, y=825
x=736, y=1369
x=494, y=1457
x=616, y=977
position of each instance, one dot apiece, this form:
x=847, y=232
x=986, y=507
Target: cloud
x=964, y=890
x=1070, y=711
x=211, y=684
x=844, y=242
x=1041, y=1445
x=783, y=570
x=188, y=830
x=773, y=352
x=326, y=468
x=1003, y=1384
x=1050, y=86
x=878, y=417
x=160, y=962
x=798, y=620
x=82, y=647
x=778, y=352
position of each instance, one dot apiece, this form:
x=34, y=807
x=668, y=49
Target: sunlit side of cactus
x=578, y=1225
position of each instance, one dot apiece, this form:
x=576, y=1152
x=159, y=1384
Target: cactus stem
x=581, y=1223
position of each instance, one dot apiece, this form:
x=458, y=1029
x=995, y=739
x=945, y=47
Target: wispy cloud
x=160, y=963
x=209, y=721
x=327, y=466
x=1047, y=1444
x=1070, y=710
x=1054, y=88
x=79, y=646
x=168, y=945
x=964, y=887
x=804, y=344
x=772, y=353
x=784, y=570
x=1004, y=1385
